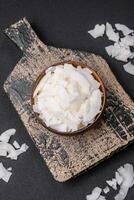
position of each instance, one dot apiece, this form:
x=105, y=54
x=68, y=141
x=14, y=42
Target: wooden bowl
x=83, y=129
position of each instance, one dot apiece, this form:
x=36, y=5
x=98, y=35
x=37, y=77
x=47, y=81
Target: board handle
x=22, y=34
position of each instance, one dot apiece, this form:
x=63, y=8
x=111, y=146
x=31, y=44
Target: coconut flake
x=5, y=136
x=123, y=28
x=97, y=31
x=119, y=52
x=124, y=177
x=124, y=54
x=129, y=67
x=118, y=178
x=16, y=144
x=101, y=197
x=9, y=168
x=132, y=55
x=111, y=33
x=128, y=40
x=9, y=150
x=4, y=173
x=3, y=152
x=95, y=194
x=112, y=183
x=22, y=149
x=106, y=190
x=91, y=111
x=127, y=173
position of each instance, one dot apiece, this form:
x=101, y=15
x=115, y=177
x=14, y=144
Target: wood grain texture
x=67, y=157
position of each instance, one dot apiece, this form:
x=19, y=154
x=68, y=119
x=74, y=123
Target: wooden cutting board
x=65, y=156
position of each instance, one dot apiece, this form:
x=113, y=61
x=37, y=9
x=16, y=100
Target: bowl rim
x=97, y=117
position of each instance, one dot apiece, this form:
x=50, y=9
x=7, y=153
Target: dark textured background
x=61, y=24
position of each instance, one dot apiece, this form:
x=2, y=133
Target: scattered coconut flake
x=121, y=49
x=95, y=194
x=128, y=40
x=97, y=31
x=2, y=170
x=127, y=173
x=101, y=198
x=124, y=177
x=123, y=28
x=132, y=184
x=118, y=178
x=106, y=190
x=4, y=173
x=124, y=54
x=119, y=52
x=9, y=149
x=111, y=33
x=7, y=175
x=112, y=183
x=16, y=144
x=5, y=136
x=110, y=50
x=129, y=67
x=3, y=152
x=9, y=168
x=132, y=55
x=22, y=149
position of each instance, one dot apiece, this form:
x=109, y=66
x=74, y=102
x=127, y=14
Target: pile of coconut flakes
x=123, y=47
x=123, y=181
x=11, y=151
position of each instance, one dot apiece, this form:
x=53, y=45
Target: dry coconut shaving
x=123, y=47
x=9, y=151
x=124, y=179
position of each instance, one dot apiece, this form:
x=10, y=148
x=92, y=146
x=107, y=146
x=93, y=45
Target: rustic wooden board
x=65, y=156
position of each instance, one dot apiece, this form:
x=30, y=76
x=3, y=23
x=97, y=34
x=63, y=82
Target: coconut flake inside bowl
x=67, y=98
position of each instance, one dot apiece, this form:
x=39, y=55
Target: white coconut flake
x=3, y=152
x=4, y=173
x=118, y=178
x=127, y=173
x=110, y=50
x=124, y=54
x=132, y=55
x=129, y=68
x=7, y=175
x=9, y=168
x=9, y=150
x=2, y=170
x=123, y=28
x=5, y=136
x=22, y=149
x=16, y=144
x=111, y=34
x=101, y=197
x=122, y=49
x=95, y=194
x=119, y=52
x=128, y=40
x=124, y=177
x=106, y=190
x=98, y=31
x=112, y=183
x=95, y=101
